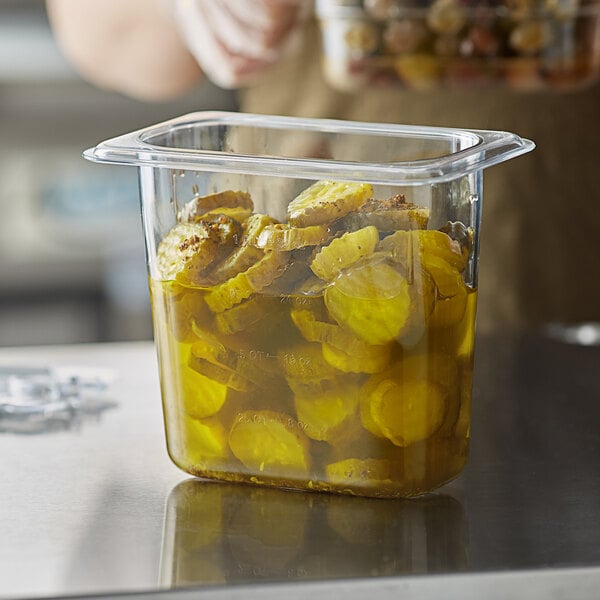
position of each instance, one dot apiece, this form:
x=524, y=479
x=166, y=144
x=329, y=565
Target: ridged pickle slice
x=282, y=236
x=184, y=305
x=374, y=360
x=196, y=208
x=305, y=361
x=208, y=360
x=201, y=397
x=442, y=257
x=437, y=243
x=205, y=441
x=225, y=295
x=325, y=201
x=243, y=315
x=186, y=251
x=343, y=252
x=403, y=411
x=402, y=245
x=314, y=329
x=388, y=215
x=247, y=253
x=450, y=311
x=237, y=213
x=306, y=371
x=322, y=416
x=447, y=279
x=372, y=300
x=268, y=442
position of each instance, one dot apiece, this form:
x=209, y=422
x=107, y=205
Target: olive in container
x=313, y=287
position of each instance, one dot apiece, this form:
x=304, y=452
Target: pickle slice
x=447, y=279
x=403, y=411
x=205, y=441
x=305, y=361
x=387, y=215
x=373, y=301
x=243, y=285
x=450, y=311
x=183, y=305
x=237, y=213
x=344, y=251
x=366, y=472
x=217, y=363
x=201, y=397
x=403, y=245
x=269, y=442
x=247, y=253
x=315, y=330
x=207, y=345
x=243, y=315
x=372, y=361
x=196, y=208
x=322, y=416
x=306, y=371
x=325, y=201
x=437, y=243
x=186, y=251
x=282, y=236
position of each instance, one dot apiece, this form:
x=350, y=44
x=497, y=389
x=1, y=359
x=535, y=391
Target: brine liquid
x=262, y=404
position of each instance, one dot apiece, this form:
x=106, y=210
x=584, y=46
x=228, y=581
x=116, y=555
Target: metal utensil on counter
x=41, y=399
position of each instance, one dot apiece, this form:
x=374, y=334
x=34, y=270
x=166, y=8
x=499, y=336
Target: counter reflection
x=218, y=533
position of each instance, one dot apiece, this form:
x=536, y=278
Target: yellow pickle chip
x=216, y=366
x=206, y=440
x=450, y=311
x=246, y=254
x=343, y=252
x=286, y=237
x=373, y=301
x=373, y=360
x=198, y=207
x=403, y=411
x=201, y=396
x=305, y=361
x=329, y=334
x=322, y=415
x=187, y=250
x=387, y=215
x=325, y=201
x=269, y=442
x=243, y=285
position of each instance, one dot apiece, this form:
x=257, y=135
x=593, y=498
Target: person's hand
x=235, y=40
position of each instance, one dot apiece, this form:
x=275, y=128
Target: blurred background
x=72, y=262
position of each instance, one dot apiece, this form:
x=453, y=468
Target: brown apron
x=540, y=236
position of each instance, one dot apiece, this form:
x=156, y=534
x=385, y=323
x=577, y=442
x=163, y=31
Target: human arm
x=155, y=51
x=130, y=46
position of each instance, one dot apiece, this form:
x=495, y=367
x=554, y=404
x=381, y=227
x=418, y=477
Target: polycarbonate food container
x=424, y=44
x=313, y=286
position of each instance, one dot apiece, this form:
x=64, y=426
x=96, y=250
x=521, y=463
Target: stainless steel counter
x=92, y=504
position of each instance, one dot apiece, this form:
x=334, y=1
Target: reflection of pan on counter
x=229, y=533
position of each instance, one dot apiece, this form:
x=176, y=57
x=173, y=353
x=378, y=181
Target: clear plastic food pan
x=424, y=44
x=313, y=287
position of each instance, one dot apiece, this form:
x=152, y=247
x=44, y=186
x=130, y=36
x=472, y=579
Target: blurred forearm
x=129, y=46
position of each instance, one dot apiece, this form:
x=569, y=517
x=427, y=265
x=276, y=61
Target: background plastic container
x=313, y=288
x=522, y=44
